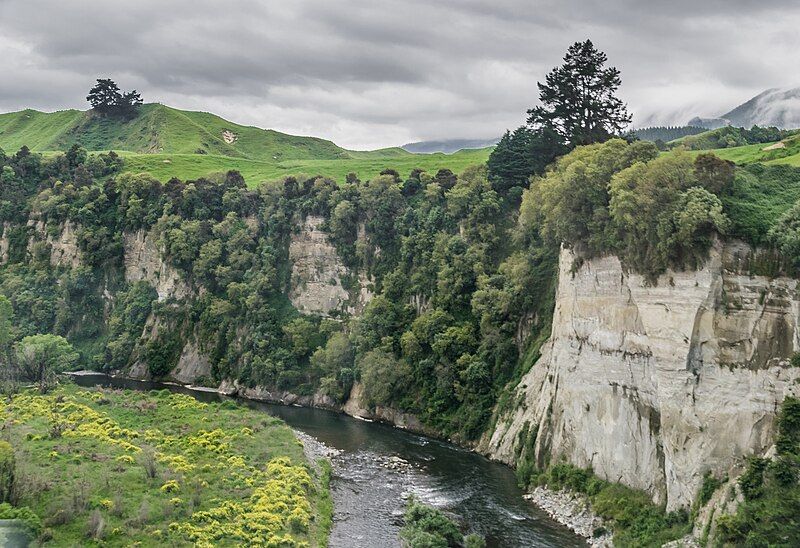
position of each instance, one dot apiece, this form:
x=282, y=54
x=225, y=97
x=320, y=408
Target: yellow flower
x=170, y=486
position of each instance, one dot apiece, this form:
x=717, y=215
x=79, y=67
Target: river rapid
x=377, y=467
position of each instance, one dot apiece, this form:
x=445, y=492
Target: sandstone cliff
x=654, y=384
x=318, y=273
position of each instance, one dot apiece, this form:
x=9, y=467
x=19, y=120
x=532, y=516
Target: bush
x=427, y=527
x=710, y=484
x=7, y=468
x=25, y=515
x=635, y=520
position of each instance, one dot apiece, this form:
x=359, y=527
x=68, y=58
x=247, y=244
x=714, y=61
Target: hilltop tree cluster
x=107, y=100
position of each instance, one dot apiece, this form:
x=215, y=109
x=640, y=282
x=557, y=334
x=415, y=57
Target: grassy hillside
x=168, y=143
x=158, y=129
x=113, y=468
x=785, y=152
x=366, y=166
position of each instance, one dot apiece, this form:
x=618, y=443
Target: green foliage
x=382, y=376
x=162, y=353
x=106, y=99
x=41, y=357
x=163, y=469
x=442, y=241
x=785, y=235
x=707, y=489
x=428, y=527
x=578, y=98
x=729, y=137
x=23, y=514
x=633, y=517
x=666, y=133
x=768, y=516
x=523, y=153
x=653, y=211
x=758, y=197
x=8, y=468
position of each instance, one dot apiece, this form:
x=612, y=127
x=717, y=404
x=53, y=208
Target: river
x=376, y=467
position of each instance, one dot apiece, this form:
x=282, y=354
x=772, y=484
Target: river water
x=376, y=467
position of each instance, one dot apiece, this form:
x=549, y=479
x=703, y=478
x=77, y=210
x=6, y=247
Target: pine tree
x=578, y=98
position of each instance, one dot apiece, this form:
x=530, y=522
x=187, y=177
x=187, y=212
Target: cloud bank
x=371, y=73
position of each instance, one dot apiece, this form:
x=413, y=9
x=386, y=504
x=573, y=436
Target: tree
x=523, y=153
x=104, y=96
x=107, y=99
x=578, y=98
x=8, y=377
x=41, y=357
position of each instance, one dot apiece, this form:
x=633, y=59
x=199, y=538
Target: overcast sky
x=372, y=73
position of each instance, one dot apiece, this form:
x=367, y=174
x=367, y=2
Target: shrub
x=427, y=527
x=710, y=484
x=25, y=515
x=7, y=468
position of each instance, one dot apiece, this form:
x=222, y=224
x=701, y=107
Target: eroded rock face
x=143, y=261
x=317, y=273
x=192, y=365
x=64, y=250
x=652, y=385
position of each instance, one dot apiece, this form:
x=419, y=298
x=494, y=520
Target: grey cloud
x=371, y=73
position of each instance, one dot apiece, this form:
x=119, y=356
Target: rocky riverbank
x=573, y=511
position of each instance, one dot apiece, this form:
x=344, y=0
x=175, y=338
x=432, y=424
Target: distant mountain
x=448, y=146
x=774, y=107
x=158, y=129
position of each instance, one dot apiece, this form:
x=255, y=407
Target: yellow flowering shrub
x=170, y=486
x=114, y=436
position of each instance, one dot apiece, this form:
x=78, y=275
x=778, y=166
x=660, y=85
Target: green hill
x=168, y=142
x=158, y=129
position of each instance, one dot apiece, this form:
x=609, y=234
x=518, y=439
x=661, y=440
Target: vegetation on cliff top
x=103, y=467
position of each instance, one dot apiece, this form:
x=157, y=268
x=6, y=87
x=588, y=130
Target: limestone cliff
x=654, y=384
x=144, y=261
x=318, y=273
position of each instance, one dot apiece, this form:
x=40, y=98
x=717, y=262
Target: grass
x=114, y=468
x=749, y=154
x=760, y=194
x=157, y=129
x=192, y=166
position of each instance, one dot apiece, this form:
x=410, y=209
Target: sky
x=375, y=73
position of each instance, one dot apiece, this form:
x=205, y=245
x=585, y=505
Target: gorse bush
x=160, y=468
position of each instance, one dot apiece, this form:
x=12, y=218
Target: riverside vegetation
x=112, y=468
x=462, y=268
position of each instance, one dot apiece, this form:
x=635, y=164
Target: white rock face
x=317, y=271
x=143, y=262
x=192, y=365
x=64, y=250
x=654, y=385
